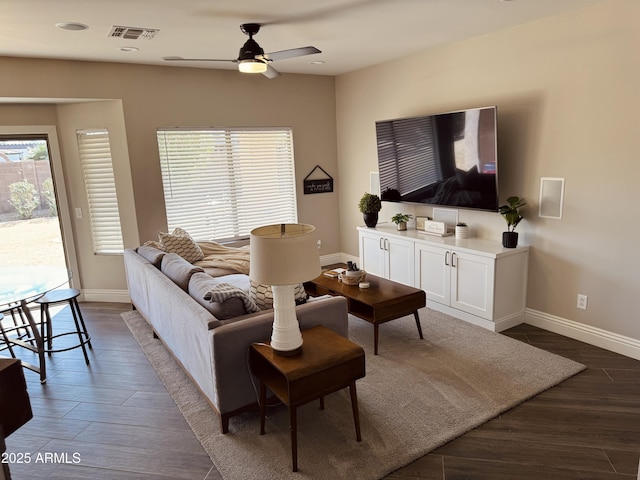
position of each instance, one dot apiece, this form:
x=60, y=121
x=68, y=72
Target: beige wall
x=143, y=98
x=97, y=115
x=566, y=88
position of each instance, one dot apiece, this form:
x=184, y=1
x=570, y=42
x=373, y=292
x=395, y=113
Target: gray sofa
x=212, y=351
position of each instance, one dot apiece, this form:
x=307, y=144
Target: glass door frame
x=64, y=212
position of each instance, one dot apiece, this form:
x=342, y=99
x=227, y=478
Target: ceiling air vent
x=133, y=33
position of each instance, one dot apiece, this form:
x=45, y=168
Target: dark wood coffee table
x=382, y=302
x=327, y=363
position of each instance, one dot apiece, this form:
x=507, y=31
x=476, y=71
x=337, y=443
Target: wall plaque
x=318, y=185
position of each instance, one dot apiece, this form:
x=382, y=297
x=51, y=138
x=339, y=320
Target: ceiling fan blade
x=271, y=72
x=293, y=52
x=181, y=59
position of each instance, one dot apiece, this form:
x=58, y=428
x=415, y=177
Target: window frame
x=221, y=182
x=94, y=150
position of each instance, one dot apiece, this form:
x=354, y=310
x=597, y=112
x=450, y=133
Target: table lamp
x=283, y=256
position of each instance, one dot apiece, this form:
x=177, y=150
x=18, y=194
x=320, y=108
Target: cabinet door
x=472, y=280
x=400, y=261
x=434, y=272
x=372, y=253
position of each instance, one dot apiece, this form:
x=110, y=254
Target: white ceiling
x=351, y=34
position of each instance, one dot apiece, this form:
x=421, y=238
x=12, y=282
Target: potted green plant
x=401, y=219
x=510, y=212
x=370, y=204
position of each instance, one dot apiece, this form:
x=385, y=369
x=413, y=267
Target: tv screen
x=444, y=159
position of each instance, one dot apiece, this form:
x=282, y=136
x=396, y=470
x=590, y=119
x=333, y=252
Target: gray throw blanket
x=223, y=291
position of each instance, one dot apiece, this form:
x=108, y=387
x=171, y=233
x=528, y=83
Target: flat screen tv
x=446, y=159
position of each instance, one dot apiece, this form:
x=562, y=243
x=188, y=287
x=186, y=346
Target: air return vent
x=133, y=33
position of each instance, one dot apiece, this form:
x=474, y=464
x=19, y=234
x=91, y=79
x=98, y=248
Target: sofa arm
x=233, y=384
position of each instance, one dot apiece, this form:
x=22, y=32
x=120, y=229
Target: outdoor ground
x=31, y=242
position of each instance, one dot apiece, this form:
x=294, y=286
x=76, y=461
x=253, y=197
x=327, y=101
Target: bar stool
x=5, y=339
x=20, y=323
x=69, y=295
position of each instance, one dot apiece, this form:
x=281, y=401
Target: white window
x=220, y=183
x=97, y=167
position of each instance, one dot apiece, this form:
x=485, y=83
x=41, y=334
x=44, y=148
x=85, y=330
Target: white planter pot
x=462, y=231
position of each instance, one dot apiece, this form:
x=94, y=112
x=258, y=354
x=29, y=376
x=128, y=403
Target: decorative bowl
x=353, y=278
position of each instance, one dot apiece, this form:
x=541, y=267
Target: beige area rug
x=416, y=396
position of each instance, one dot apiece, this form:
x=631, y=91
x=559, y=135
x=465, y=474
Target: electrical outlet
x=319, y=243
x=582, y=302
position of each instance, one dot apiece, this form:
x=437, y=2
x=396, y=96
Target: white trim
x=331, y=259
x=598, y=337
x=64, y=212
x=108, y=296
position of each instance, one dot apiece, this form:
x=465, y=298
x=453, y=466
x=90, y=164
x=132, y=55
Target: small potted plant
x=370, y=204
x=462, y=230
x=401, y=219
x=513, y=217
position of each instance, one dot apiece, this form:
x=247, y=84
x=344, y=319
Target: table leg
x=375, y=338
x=354, y=408
x=39, y=343
x=294, y=437
x=415, y=314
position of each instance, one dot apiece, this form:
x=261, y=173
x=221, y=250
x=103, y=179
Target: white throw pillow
x=181, y=243
x=262, y=295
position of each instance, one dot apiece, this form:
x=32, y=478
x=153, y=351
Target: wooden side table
x=328, y=363
x=15, y=407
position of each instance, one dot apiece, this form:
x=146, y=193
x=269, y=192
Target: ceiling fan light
x=252, y=66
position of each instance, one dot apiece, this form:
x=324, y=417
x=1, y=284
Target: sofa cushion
x=178, y=270
x=233, y=303
x=180, y=242
x=262, y=295
x=151, y=254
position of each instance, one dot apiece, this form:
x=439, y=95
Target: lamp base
x=286, y=339
x=288, y=353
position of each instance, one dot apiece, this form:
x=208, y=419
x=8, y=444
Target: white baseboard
x=338, y=258
x=598, y=337
x=111, y=296
x=331, y=259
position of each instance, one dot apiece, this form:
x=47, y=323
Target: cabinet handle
x=446, y=258
x=386, y=244
x=453, y=260
x=381, y=243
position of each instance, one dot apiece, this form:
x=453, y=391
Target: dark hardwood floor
x=588, y=427
x=114, y=414
x=117, y=417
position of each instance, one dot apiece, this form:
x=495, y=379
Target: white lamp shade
x=284, y=254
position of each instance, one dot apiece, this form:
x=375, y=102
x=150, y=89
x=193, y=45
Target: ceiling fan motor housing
x=250, y=50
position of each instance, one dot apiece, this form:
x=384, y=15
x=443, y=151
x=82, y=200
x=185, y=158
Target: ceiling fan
x=252, y=58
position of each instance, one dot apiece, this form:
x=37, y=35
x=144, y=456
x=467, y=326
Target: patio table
x=18, y=287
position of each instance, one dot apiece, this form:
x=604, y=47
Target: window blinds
x=221, y=183
x=97, y=167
